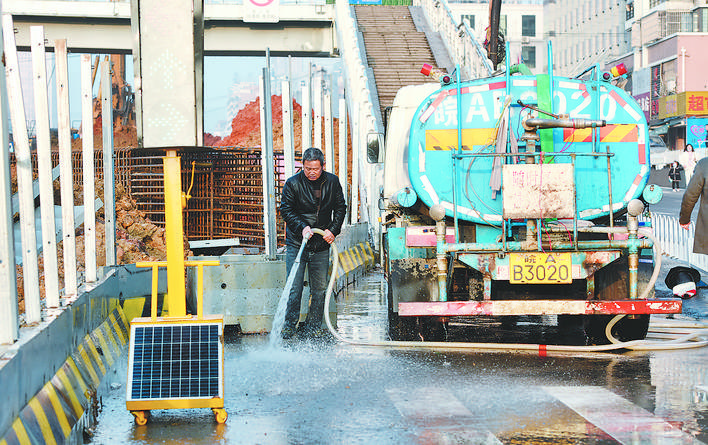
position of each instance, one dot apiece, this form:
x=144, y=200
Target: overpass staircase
x=398, y=42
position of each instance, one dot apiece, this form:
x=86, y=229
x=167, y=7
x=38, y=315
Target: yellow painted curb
x=52, y=413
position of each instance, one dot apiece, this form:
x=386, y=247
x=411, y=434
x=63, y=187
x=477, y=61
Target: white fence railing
x=32, y=244
x=458, y=37
x=677, y=242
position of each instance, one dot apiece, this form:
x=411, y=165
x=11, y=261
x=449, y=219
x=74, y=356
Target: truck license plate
x=540, y=268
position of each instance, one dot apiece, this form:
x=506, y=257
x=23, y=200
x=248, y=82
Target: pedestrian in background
x=688, y=161
x=675, y=175
x=312, y=198
x=697, y=188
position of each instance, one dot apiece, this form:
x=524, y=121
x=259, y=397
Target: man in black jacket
x=312, y=198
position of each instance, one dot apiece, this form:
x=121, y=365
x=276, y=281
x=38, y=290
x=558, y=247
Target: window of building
x=469, y=19
x=528, y=53
x=653, y=3
x=701, y=24
x=686, y=22
x=630, y=11
x=528, y=26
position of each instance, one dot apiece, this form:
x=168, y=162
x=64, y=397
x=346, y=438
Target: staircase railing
x=462, y=46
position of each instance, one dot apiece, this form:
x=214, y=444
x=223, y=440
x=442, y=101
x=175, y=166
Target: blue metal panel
x=433, y=141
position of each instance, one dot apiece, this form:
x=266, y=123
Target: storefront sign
x=696, y=103
x=689, y=103
x=655, y=91
x=644, y=102
x=696, y=132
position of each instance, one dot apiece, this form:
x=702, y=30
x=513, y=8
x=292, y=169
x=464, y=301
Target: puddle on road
x=327, y=392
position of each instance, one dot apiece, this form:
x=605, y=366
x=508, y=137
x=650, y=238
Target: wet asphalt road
x=332, y=393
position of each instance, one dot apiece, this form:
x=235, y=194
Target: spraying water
x=275, y=338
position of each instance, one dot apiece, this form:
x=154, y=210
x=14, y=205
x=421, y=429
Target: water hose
x=276, y=333
x=690, y=340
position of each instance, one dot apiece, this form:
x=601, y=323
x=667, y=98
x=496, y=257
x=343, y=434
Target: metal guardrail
x=462, y=46
x=677, y=242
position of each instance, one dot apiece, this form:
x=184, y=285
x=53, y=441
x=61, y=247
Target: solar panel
x=175, y=361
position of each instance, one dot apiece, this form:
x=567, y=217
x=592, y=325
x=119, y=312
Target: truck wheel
x=432, y=329
x=572, y=329
x=630, y=327
x=612, y=283
x=399, y=328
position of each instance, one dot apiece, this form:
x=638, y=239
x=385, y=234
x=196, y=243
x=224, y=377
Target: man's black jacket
x=300, y=208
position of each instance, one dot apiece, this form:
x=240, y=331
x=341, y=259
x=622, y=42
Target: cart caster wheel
x=141, y=417
x=220, y=415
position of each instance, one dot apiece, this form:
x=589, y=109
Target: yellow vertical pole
x=153, y=295
x=173, y=234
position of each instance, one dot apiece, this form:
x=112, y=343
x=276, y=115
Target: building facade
x=584, y=33
x=521, y=22
x=668, y=66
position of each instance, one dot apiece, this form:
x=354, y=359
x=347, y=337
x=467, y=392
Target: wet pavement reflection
x=311, y=392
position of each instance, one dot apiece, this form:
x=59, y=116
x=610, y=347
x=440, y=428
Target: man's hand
x=686, y=226
x=307, y=232
x=328, y=236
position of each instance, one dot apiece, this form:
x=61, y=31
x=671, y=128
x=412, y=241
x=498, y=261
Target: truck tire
x=399, y=328
x=432, y=329
x=630, y=327
x=612, y=283
x=413, y=328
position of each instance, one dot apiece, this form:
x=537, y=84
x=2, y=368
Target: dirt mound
x=137, y=239
x=246, y=125
x=246, y=130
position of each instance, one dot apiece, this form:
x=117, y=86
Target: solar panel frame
x=175, y=361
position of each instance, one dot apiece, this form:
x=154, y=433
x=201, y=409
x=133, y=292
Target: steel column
x=356, y=146
x=44, y=167
x=33, y=312
x=317, y=107
x=306, y=114
x=288, y=136
x=66, y=170
x=9, y=326
x=343, y=151
x=271, y=236
x=88, y=166
x=109, y=198
x=328, y=132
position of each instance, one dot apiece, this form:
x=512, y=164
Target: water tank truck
x=518, y=195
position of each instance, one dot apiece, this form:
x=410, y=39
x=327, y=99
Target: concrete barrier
x=246, y=289
x=49, y=376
